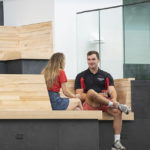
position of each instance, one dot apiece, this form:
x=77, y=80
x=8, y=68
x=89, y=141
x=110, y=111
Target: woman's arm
x=81, y=94
x=66, y=92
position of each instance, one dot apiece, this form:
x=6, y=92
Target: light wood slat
x=8, y=29
x=18, y=105
x=41, y=34
x=34, y=98
x=10, y=55
x=26, y=87
x=21, y=79
x=31, y=44
x=24, y=98
x=35, y=27
x=23, y=89
x=50, y=115
x=9, y=97
x=123, y=89
x=33, y=41
x=60, y=115
x=23, y=92
x=105, y=116
x=122, y=86
x=31, y=94
x=32, y=105
x=39, y=55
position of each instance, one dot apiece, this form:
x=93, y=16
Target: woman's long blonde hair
x=51, y=71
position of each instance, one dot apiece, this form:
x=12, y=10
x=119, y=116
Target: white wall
x=63, y=12
x=87, y=37
x=65, y=27
x=22, y=12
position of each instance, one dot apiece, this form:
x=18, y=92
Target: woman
x=55, y=79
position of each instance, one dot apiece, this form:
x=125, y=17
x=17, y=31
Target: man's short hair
x=93, y=52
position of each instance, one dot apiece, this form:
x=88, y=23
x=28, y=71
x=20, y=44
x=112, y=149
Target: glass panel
x=87, y=37
x=133, y=1
x=111, y=33
x=115, y=30
x=137, y=34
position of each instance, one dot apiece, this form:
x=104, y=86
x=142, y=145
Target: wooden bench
x=123, y=89
x=26, y=97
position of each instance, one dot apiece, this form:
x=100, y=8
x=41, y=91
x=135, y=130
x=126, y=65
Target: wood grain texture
x=122, y=86
x=123, y=89
x=33, y=41
x=23, y=93
x=50, y=114
x=26, y=97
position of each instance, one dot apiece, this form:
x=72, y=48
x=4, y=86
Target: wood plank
x=26, y=97
x=98, y=115
x=106, y=116
x=23, y=92
x=50, y=115
x=10, y=55
x=21, y=79
x=18, y=105
x=39, y=55
x=123, y=88
x=33, y=41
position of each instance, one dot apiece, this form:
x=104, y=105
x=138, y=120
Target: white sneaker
x=118, y=146
x=124, y=108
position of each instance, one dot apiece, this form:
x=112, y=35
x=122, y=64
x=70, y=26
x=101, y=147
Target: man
x=96, y=89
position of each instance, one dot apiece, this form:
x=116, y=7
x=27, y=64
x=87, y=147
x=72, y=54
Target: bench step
x=98, y=115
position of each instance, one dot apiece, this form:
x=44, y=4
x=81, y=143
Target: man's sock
x=110, y=104
x=116, y=137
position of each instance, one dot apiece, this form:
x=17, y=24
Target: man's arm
x=112, y=92
x=79, y=91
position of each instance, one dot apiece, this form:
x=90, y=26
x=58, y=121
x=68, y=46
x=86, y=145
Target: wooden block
x=26, y=97
x=50, y=114
x=23, y=92
x=33, y=41
x=123, y=89
x=106, y=116
x=122, y=86
x=47, y=114
x=24, y=105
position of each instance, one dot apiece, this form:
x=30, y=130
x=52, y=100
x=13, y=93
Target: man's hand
x=78, y=96
x=115, y=103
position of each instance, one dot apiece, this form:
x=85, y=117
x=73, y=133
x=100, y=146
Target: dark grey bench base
x=22, y=66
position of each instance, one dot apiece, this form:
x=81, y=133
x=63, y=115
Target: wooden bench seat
x=123, y=89
x=98, y=115
x=26, y=97
x=23, y=93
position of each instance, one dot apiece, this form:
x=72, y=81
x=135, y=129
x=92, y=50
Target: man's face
x=92, y=61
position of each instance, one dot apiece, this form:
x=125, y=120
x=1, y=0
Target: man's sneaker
x=124, y=108
x=118, y=146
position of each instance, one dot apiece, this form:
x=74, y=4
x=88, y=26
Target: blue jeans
x=57, y=102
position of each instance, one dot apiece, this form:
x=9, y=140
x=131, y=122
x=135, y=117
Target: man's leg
x=95, y=99
x=117, y=126
x=117, y=123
